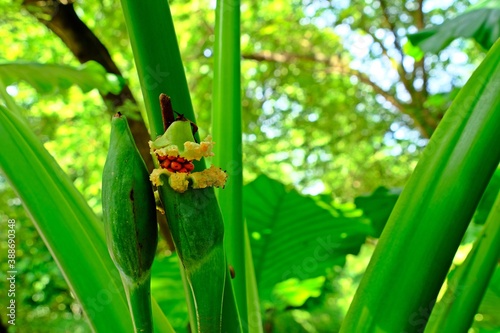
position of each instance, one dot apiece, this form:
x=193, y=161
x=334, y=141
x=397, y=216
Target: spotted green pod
x=129, y=209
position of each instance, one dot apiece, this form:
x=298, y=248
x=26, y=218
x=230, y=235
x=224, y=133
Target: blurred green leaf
x=378, y=207
x=51, y=78
x=293, y=237
x=481, y=22
x=295, y=292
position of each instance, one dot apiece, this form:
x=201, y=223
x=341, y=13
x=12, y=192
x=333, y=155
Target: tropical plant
x=286, y=240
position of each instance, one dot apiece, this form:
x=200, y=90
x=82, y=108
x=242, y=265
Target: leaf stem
x=139, y=301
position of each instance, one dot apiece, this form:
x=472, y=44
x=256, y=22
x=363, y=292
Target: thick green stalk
x=66, y=223
x=139, y=301
x=227, y=134
x=456, y=310
x=420, y=239
x=195, y=223
x=157, y=57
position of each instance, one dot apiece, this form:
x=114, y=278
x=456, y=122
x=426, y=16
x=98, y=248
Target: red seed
x=161, y=158
x=189, y=166
x=170, y=169
x=184, y=170
x=172, y=158
x=165, y=164
x=181, y=159
x=176, y=165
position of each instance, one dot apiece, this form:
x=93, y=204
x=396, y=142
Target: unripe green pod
x=129, y=209
x=194, y=218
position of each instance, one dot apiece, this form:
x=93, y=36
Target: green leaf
x=51, y=78
x=425, y=228
x=293, y=237
x=378, y=207
x=481, y=22
x=68, y=226
x=468, y=283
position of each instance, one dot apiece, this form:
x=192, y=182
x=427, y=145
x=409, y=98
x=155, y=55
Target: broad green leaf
x=51, y=78
x=293, y=237
x=377, y=206
x=481, y=22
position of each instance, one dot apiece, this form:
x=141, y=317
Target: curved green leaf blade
x=51, y=78
x=429, y=220
x=456, y=310
x=68, y=226
x=481, y=22
x=292, y=236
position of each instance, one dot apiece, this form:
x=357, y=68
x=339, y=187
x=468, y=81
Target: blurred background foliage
x=332, y=105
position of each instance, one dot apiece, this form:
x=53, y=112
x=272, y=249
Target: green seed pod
x=129, y=208
x=194, y=218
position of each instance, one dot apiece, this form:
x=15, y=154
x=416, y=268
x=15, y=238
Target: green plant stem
x=456, y=310
x=429, y=220
x=197, y=230
x=157, y=57
x=139, y=300
x=227, y=134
